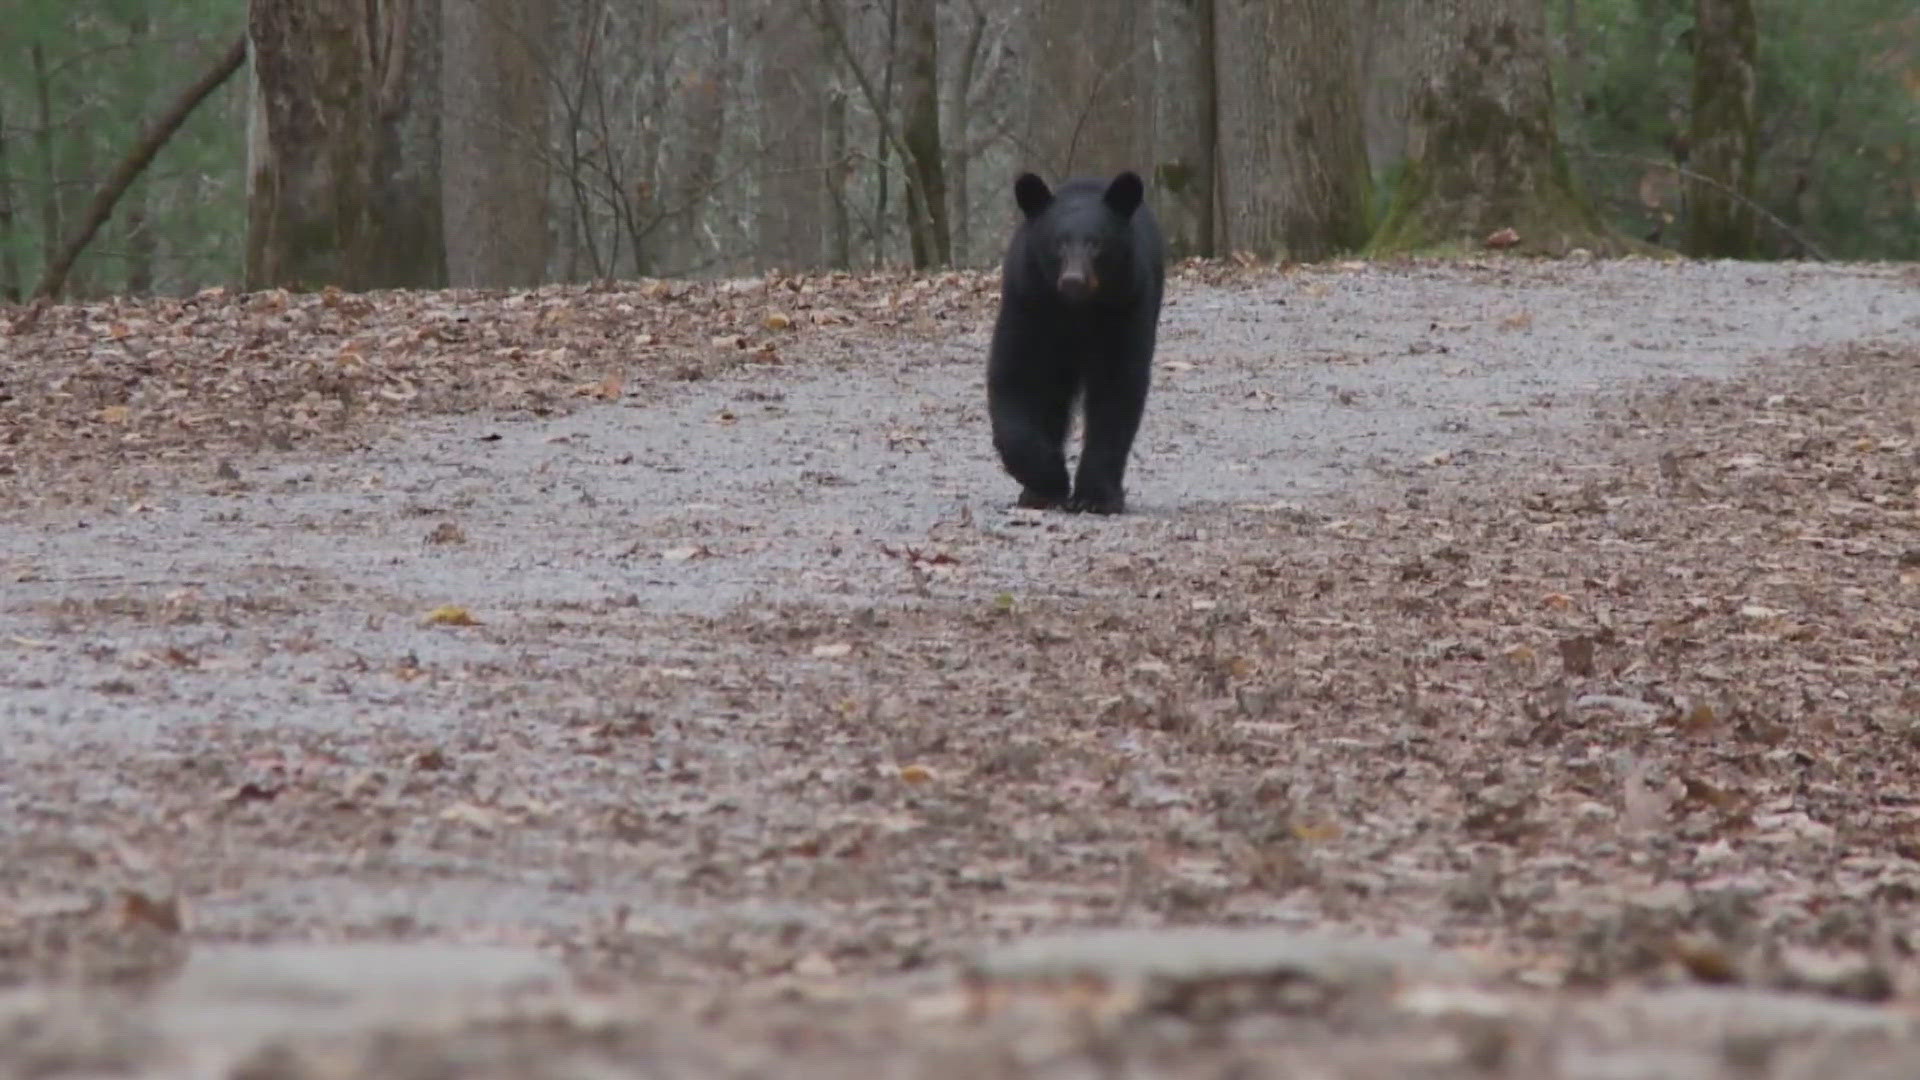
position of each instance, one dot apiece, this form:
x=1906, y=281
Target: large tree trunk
x=493, y=138
x=311, y=146
x=1721, y=151
x=1292, y=138
x=1185, y=123
x=695, y=165
x=928, y=231
x=329, y=77
x=407, y=183
x=1387, y=42
x=1090, y=66
x=791, y=211
x=1484, y=155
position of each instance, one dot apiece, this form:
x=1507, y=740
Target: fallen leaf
x=251, y=792
x=916, y=774
x=832, y=651
x=450, y=615
x=477, y=818
x=815, y=966
x=137, y=909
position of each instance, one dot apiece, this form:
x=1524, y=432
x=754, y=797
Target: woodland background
x=424, y=143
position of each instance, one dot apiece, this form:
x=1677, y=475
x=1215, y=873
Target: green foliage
x=1838, y=106
x=110, y=67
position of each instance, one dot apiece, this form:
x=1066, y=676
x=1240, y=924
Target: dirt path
x=767, y=690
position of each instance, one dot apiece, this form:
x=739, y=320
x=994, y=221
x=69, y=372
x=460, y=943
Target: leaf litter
x=1640, y=719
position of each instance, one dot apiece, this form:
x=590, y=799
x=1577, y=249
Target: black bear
x=1079, y=308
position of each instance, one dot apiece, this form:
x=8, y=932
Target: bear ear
x=1032, y=194
x=1124, y=194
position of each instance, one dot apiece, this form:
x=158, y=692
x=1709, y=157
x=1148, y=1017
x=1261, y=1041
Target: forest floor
x=1508, y=669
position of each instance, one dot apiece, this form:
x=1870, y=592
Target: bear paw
x=1033, y=500
x=1102, y=503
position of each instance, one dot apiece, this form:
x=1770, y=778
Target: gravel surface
x=676, y=648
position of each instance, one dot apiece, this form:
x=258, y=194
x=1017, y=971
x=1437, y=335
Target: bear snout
x=1076, y=284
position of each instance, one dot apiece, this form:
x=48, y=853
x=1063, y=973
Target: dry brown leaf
x=135, y=909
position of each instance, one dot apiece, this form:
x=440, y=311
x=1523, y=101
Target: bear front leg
x=1114, y=405
x=1030, y=418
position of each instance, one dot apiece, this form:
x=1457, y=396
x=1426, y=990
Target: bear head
x=1080, y=237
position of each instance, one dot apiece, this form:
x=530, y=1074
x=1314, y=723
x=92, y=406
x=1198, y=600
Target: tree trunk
x=494, y=139
x=50, y=224
x=1090, y=71
x=1721, y=152
x=1186, y=119
x=311, y=146
x=839, y=172
x=1387, y=42
x=931, y=237
x=331, y=80
x=10, y=282
x=137, y=230
x=695, y=167
x=1484, y=154
x=407, y=179
x=789, y=216
x=1292, y=138
x=882, y=103
x=957, y=131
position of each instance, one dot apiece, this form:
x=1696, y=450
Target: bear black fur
x=1079, y=309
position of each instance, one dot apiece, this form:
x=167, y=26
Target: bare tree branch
x=130, y=167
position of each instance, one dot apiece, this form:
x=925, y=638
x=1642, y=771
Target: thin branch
x=1682, y=171
x=130, y=167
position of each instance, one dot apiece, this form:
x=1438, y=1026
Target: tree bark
x=1090, y=65
x=311, y=146
x=929, y=233
x=1721, y=152
x=1185, y=122
x=695, y=166
x=1292, y=137
x=839, y=172
x=329, y=88
x=407, y=178
x=1484, y=154
x=957, y=129
x=10, y=281
x=789, y=217
x=1387, y=42
x=493, y=139
x=137, y=232
x=50, y=227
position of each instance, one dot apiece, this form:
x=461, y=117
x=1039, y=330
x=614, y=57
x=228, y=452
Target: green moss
x=1173, y=177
